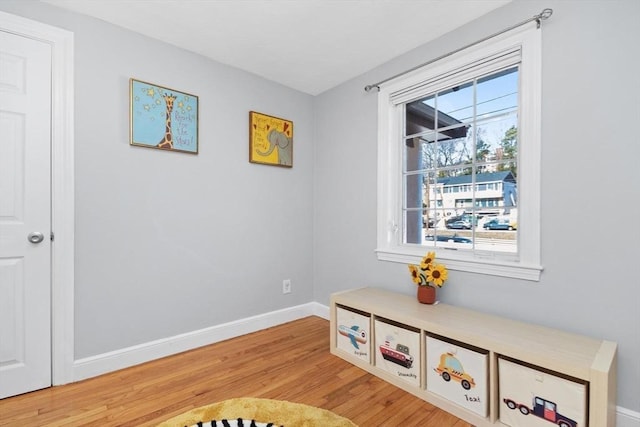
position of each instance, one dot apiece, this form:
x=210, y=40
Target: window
x=459, y=148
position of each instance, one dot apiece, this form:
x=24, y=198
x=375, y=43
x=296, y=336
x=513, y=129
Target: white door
x=25, y=214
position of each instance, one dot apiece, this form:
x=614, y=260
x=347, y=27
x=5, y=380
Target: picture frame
x=162, y=118
x=270, y=140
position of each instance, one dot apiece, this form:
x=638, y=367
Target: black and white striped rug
x=234, y=423
x=257, y=412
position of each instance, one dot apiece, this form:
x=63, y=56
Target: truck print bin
x=533, y=397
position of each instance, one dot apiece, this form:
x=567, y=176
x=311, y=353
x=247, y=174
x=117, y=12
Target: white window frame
x=526, y=40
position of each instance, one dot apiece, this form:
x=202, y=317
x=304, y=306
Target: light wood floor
x=287, y=362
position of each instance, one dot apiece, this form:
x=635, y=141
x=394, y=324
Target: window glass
x=497, y=94
x=456, y=104
x=461, y=147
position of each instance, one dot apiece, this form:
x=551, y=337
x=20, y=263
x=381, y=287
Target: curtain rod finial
x=368, y=88
x=545, y=14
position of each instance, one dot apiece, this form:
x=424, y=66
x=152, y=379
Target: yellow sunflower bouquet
x=428, y=273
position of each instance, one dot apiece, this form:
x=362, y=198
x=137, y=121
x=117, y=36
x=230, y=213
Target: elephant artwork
x=283, y=142
x=271, y=140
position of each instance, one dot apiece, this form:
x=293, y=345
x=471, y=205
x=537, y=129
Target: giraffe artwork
x=167, y=141
x=163, y=118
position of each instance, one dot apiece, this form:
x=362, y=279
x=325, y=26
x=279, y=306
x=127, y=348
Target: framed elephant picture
x=270, y=140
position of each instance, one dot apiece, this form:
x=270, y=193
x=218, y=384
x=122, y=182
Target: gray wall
x=168, y=243
x=590, y=185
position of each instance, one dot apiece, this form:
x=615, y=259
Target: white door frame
x=62, y=187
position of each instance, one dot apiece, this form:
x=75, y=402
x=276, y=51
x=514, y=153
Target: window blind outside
x=444, y=79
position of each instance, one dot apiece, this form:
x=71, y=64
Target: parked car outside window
x=500, y=224
x=459, y=225
x=443, y=238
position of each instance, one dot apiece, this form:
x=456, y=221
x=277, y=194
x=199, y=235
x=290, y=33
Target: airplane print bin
x=397, y=350
x=458, y=374
x=531, y=397
x=353, y=333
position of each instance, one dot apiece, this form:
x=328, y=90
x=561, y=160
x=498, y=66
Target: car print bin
x=397, y=350
x=353, y=328
x=534, y=397
x=458, y=373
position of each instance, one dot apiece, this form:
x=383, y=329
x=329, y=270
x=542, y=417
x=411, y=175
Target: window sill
x=514, y=270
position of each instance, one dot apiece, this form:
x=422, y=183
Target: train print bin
x=397, y=350
x=353, y=333
x=458, y=373
x=532, y=397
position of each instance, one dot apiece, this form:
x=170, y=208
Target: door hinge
x=52, y=236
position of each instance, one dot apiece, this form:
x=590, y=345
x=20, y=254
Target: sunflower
x=437, y=274
x=427, y=260
x=415, y=274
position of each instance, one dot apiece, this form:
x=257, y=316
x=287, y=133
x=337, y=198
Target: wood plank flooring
x=287, y=362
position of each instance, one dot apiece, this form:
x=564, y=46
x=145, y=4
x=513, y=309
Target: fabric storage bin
x=353, y=329
x=397, y=349
x=458, y=373
x=533, y=397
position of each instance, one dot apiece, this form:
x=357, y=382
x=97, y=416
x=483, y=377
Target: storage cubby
x=397, y=350
x=458, y=373
x=353, y=328
x=530, y=393
x=500, y=372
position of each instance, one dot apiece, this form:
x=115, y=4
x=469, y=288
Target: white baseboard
x=119, y=359
x=320, y=310
x=627, y=418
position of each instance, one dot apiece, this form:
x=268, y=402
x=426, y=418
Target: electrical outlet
x=286, y=286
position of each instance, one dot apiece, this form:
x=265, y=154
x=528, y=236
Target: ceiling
x=308, y=45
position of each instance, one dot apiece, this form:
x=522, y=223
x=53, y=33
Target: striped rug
x=253, y=412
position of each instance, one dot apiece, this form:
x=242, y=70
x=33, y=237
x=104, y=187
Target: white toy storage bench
x=484, y=369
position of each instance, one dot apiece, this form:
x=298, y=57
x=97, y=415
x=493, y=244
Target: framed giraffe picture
x=163, y=118
x=270, y=140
